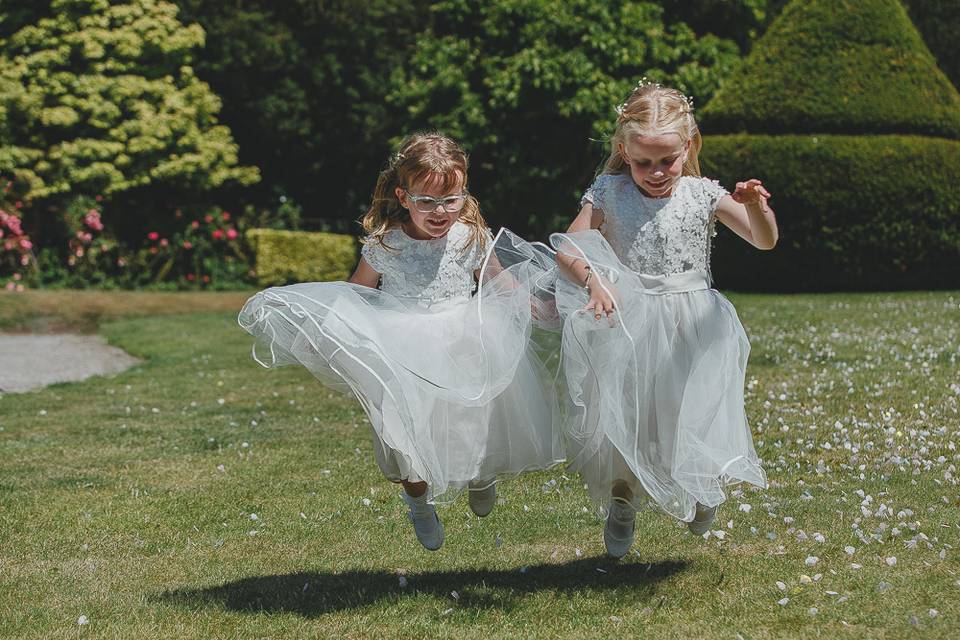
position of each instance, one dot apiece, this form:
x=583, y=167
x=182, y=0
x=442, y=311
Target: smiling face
x=656, y=162
x=435, y=223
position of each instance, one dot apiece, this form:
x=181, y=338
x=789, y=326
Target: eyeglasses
x=426, y=204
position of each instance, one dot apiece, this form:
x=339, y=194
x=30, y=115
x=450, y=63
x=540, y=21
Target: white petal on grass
x=783, y=601
x=891, y=561
x=82, y=620
x=811, y=561
x=849, y=550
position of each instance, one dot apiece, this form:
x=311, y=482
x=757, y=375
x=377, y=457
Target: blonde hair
x=422, y=156
x=652, y=110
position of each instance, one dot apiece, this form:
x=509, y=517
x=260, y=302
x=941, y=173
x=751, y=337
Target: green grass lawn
x=200, y=496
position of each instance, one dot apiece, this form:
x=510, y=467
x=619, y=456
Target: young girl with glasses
x=431, y=334
x=655, y=358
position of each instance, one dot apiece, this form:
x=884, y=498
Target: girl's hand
x=750, y=192
x=601, y=303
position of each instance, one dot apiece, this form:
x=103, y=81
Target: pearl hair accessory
x=644, y=82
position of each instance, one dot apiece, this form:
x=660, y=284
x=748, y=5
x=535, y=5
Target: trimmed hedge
x=855, y=212
x=838, y=66
x=283, y=257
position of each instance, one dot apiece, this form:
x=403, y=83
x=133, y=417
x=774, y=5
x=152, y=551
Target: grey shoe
x=620, y=528
x=702, y=520
x=426, y=522
x=484, y=498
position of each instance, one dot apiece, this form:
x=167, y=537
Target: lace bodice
x=436, y=269
x=657, y=236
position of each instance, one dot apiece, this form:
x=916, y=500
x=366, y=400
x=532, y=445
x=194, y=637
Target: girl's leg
x=414, y=489
x=423, y=515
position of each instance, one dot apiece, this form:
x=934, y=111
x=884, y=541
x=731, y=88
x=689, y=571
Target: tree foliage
x=529, y=87
x=100, y=97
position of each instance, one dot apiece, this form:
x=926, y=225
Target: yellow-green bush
x=283, y=257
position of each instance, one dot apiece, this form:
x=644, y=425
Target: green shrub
x=300, y=256
x=846, y=67
x=855, y=212
x=878, y=210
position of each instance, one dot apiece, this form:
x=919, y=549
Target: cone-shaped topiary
x=842, y=112
x=838, y=66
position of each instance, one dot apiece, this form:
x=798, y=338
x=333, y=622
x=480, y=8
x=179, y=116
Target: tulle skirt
x=655, y=391
x=454, y=390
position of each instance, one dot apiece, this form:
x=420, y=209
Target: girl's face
x=656, y=162
x=433, y=209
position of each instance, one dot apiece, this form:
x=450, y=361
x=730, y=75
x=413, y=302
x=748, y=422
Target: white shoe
x=483, y=499
x=702, y=520
x=426, y=522
x=619, y=529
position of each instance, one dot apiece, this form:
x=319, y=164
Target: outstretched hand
x=601, y=303
x=750, y=192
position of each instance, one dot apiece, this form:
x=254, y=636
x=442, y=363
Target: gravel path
x=30, y=362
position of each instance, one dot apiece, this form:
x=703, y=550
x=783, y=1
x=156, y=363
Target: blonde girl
x=654, y=358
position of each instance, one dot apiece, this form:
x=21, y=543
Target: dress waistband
x=433, y=303
x=674, y=283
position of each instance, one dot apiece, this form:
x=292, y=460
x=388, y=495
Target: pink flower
x=121, y=262
x=92, y=220
x=71, y=260
x=232, y=233
x=164, y=242
x=79, y=252
x=225, y=215
x=99, y=198
x=13, y=224
x=10, y=286
x=153, y=235
x=25, y=244
x=208, y=218
x=187, y=244
x=217, y=234
x=18, y=204
x=17, y=276
x=19, y=287
x=191, y=277
x=24, y=261
x=153, y=249
x=8, y=245
x=195, y=224
x=206, y=278
x=1, y=233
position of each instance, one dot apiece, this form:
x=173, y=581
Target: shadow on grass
x=311, y=594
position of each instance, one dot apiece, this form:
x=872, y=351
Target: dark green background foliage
x=939, y=24
x=304, y=85
x=855, y=212
x=317, y=92
x=829, y=66
x=526, y=85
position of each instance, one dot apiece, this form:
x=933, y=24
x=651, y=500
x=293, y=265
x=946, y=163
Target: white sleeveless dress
x=452, y=388
x=656, y=400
